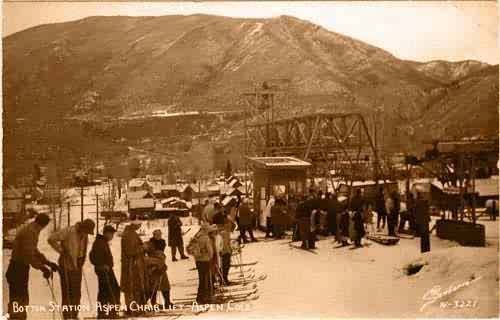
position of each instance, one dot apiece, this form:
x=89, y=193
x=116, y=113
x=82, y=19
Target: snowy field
x=332, y=282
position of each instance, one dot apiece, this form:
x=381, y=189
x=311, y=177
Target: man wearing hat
x=25, y=254
x=133, y=268
x=71, y=244
x=102, y=259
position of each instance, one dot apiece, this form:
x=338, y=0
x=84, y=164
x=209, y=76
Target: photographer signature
x=436, y=293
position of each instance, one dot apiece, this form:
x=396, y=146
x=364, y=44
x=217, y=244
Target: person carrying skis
x=133, y=269
x=25, y=254
x=108, y=289
x=175, y=241
x=156, y=269
x=200, y=247
x=71, y=244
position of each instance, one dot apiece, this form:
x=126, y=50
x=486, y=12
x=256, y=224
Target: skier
x=392, y=207
x=133, y=273
x=304, y=221
x=156, y=269
x=102, y=259
x=201, y=249
x=225, y=231
x=380, y=208
x=71, y=244
x=246, y=220
x=422, y=222
x=344, y=227
x=267, y=216
x=278, y=217
x=175, y=241
x=25, y=253
x=331, y=216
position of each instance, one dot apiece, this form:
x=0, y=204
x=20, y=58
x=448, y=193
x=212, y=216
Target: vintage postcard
x=250, y=160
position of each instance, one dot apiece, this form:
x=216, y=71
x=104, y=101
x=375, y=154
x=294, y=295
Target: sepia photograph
x=250, y=160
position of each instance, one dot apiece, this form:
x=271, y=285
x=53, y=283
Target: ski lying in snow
x=234, y=265
x=219, y=300
x=383, y=239
x=244, y=264
x=247, y=281
x=235, y=289
x=237, y=293
x=237, y=274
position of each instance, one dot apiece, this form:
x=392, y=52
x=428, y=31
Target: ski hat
x=87, y=226
x=108, y=228
x=136, y=223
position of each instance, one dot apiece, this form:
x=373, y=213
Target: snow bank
x=454, y=282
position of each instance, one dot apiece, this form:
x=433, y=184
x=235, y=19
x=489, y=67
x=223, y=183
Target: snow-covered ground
x=334, y=282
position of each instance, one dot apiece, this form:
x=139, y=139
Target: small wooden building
x=277, y=176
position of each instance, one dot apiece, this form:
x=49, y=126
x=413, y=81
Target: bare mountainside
x=107, y=67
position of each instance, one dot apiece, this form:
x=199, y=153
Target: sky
x=421, y=31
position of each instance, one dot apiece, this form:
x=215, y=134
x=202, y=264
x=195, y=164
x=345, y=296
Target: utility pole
x=69, y=210
x=81, y=203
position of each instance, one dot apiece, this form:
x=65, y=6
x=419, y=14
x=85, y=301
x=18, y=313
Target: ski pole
x=51, y=287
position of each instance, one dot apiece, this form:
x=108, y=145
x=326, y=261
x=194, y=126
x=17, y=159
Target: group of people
x=143, y=266
x=212, y=249
x=349, y=220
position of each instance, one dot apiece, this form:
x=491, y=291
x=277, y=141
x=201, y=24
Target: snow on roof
x=279, y=162
x=169, y=187
x=133, y=195
x=368, y=183
x=134, y=183
x=141, y=203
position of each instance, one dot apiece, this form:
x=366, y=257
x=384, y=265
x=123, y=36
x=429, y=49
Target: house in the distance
x=139, y=184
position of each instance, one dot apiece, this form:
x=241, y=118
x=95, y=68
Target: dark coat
x=344, y=224
x=174, y=232
x=331, y=213
x=357, y=203
x=278, y=215
x=100, y=254
x=380, y=204
x=245, y=216
x=358, y=224
x=133, y=275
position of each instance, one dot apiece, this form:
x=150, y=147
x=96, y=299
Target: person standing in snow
x=25, y=254
x=422, y=222
x=303, y=217
x=331, y=213
x=246, y=220
x=278, y=218
x=392, y=207
x=380, y=208
x=175, y=241
x=133, y=273
x=156, y=269
x=200, y=247
x=267, y=216
x=225, y=231
x=102, y=259
x=344, y=227
x=71, y=244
